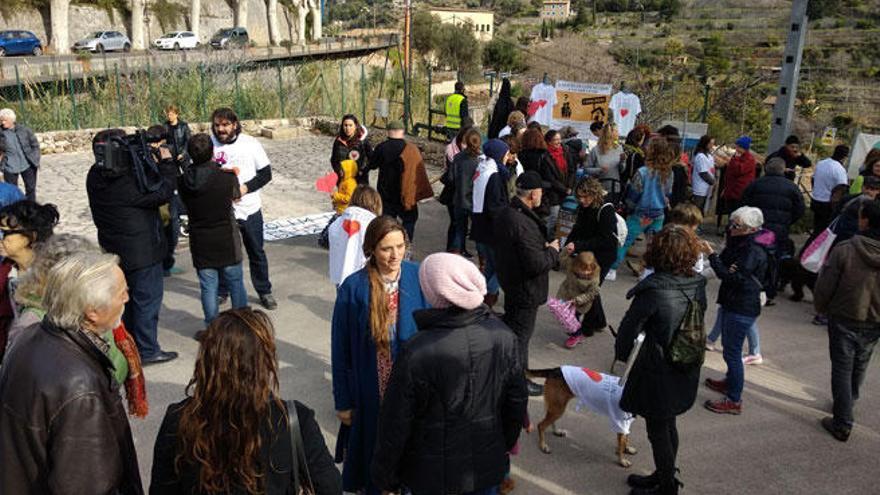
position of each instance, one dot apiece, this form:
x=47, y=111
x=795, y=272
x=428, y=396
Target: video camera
x=119, y=155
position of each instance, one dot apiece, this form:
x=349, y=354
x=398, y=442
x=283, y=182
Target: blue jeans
x=141, y=316
x=753, y=336
x=734, y=328
x=458, y=227
x=172, y=231
x=252, y=237
x=552, y=217
x=209, y=281
x=488, y=255
x=633, y=230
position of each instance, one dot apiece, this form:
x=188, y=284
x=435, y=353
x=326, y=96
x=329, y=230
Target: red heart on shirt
x=623, y=112
x=351, y=226
x=536, y=105
x=596, y=377
x=326, y=183
x=476, y=175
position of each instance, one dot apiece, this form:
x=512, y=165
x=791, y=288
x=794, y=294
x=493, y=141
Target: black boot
x=663, y=488
x=643, y=481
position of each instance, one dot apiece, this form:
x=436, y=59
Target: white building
x=556, y=10
x=483, y=21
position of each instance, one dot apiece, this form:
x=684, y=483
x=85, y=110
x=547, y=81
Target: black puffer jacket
x=522, y=261
x=655, y=388
x=596, y=231
x=127, y=219
x=555, y=187
x=454, y=406
x=63, y=429
x=740, y=290
x=779, y=199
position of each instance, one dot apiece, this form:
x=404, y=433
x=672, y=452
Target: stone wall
x=216, y=14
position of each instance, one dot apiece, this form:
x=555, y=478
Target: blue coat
x=355, y=379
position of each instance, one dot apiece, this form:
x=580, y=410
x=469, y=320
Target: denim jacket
x=646, y=195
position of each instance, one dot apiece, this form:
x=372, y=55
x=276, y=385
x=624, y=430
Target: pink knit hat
x=450, y=280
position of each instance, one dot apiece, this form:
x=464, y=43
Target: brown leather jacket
x=63, y=428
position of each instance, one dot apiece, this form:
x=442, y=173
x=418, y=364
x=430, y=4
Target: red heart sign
x=624, y=112
x=326, y=183
x=596, y=377
x=534, y=106
x=351, y=226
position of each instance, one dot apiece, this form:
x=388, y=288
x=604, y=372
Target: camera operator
x=126, y=213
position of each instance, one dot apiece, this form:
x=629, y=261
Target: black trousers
x=29, y=177
x=521, y=319
x=821, y=215
x=663, y=435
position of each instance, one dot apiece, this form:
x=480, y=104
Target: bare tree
x=137, y=24
x=272, y=7
x=195, y=14
x=58, y=19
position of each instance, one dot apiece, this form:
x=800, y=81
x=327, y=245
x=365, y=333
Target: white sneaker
x=612, y=276
x=753, y=359
x=712, y=347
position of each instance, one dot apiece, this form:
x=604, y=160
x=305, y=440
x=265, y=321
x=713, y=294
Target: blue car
x=19, y=43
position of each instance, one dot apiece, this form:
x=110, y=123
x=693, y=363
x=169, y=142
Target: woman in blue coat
x=371, y=321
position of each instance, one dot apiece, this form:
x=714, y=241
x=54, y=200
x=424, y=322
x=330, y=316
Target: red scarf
x=135, y=385
x=559, y=157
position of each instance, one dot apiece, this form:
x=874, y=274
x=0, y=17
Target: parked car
x=101, y=41
x=20, y=43
x=225, y=39
x=176, y=40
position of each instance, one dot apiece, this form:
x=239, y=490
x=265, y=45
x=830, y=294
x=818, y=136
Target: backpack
x=687, y=348
x=622, y=230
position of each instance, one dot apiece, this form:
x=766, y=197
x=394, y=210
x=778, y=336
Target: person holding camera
x=124, y=197
x=245, y=155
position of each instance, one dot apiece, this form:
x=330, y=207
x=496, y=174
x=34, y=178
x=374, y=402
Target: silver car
x=101, y=41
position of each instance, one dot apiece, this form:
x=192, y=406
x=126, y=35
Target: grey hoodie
x=849, y=284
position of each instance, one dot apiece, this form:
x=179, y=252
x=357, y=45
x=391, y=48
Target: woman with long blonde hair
x=371, y=321
x=231, y=434
x=606, y=161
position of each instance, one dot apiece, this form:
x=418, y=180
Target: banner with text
x=579, y=105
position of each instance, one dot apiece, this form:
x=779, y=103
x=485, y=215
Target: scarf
x=559, y=157
x=135, y=385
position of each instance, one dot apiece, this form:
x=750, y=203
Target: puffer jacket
x=454, y=406
x=848, y=286
x=654, y=388
x=63, y=428
x=779, y=199
x=741, y=289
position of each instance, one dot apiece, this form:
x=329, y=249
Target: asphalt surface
x=775, y=446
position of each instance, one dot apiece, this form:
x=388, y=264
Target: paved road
x=776, y=446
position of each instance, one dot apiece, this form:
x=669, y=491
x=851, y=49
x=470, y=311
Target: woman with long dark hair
x=455, y=234
x=372, y=318
x=351, y=143
x=655, y=389
x=536, y=156
x=231, y=434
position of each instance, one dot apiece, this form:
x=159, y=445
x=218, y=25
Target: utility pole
x=783, y=110
x=407, y=62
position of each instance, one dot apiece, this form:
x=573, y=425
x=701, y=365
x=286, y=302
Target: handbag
x=816, y=253
x=565, y=314
x=298, y=451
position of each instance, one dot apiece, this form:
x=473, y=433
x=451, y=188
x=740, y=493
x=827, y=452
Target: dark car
x=19, y=43
x=230, y=38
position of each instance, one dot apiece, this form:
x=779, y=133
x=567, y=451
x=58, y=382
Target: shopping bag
x=815, y=254
x=565, y=314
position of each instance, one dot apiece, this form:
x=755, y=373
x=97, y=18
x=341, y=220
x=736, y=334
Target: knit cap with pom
x=450, y=280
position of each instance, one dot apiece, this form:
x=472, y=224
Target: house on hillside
x=483, y=21
x=556, y=10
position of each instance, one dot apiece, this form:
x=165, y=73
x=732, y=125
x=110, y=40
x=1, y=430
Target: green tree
x=458, y=48
x=426, y=35
x=544, y=32
x=817, y=9
x=502, y=55
x=669, y=9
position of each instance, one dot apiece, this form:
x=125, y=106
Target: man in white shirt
x=829, y=174
x=244, y=154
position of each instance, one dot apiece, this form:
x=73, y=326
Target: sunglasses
x=4, y=233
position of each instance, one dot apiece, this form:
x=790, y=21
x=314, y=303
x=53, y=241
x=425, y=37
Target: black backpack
x=687, y=348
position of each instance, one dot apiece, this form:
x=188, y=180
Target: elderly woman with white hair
x=742, y=268
x=19, y=153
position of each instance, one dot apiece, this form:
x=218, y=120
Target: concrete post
x=783, y=110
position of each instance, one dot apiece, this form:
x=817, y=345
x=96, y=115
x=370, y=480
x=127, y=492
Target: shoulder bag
x=298, y=453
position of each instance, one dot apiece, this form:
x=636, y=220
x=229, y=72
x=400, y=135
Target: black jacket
x=679, y=185
x=177, y=139
x=214, y=236
x=522, y=261
x=740, y=290
x=342, y=151
x=454, y=406
x=127, y=219
x=462, y=174
x=655, y=389
x=275, y=454
x=779, y=199
x=495, y=202
x=790, y=161
x=596, y=231
x=63, y=428
x=30, y=146
x=555, y=186
x=503, y=107
x=386, y=158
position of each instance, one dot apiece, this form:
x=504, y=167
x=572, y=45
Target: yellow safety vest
x=453, y=111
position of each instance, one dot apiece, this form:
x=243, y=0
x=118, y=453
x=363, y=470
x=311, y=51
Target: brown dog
x=604, y=398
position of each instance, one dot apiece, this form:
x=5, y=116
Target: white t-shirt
x=346, y=236
x=625, y=107
x=702, y=163
x=600, y=393
x=829, y=174
x=247, y=155
x=504, y=132
x=542, y=100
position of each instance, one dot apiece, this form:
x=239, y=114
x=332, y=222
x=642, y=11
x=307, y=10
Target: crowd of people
x=429, y=378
